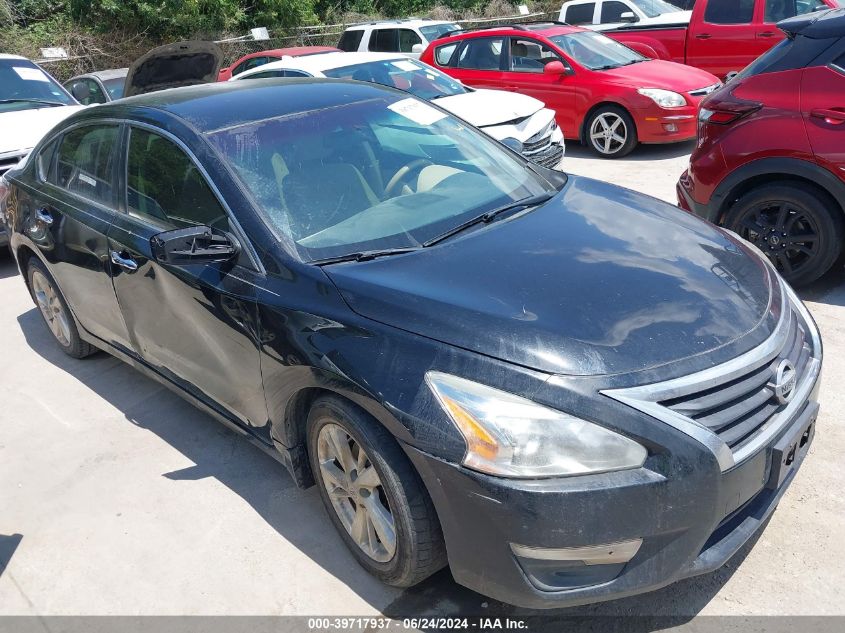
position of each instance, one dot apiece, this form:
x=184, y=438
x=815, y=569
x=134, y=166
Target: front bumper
x=686, y=530
x=666, y=125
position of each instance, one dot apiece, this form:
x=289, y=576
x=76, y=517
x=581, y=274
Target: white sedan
x=521, y=122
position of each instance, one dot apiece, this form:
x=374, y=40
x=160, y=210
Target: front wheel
x=373, y=495
x=611, y=132
x=799, y=228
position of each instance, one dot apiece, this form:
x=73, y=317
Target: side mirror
x=556, y=68
x=514, y=144
x=81, y=92
x=629, y=16
x=194, y=245
x=417, y=49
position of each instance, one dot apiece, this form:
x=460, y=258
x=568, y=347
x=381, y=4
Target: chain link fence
x=90, y=54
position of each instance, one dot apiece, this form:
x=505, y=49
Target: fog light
x=670, y=127
x=574, y=567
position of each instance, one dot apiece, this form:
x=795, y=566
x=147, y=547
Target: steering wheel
x=403, y=174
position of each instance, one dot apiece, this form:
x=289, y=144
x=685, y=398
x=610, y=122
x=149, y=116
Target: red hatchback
x=253, y=60
x=605, y=95
x=770, y=161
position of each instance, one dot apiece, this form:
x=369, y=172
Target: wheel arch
x=780, y=170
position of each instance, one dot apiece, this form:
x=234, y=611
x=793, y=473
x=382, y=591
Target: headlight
x=663, y=98
x=510, y=436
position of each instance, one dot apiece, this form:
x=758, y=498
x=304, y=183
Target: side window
x=237, y=70
x=443, y=54
x=45, y=161
x=350, y=40
x=777, y=10
x=580, y=13
x=295, y=73
x=612, y=10
x=483, y=53
x=163, y=184
x=384, y=40
x=95, y=92
x=255, y=62
x=407, y=39
x=530, y=56
x=729, y=12
x=86, y=157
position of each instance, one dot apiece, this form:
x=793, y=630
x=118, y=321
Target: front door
x=195, y=324
x=480, y=63
x=71, y=217
x=525, y=75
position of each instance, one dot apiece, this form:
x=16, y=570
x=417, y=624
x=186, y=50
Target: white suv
x=601, y=15
x=408, y=37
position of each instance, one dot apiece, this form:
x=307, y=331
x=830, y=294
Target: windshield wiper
x=607, y=67
x=39, y=101
x=364, y=256
x=486, y=218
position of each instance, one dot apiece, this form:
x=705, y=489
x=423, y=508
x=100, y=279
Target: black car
x=564, y=390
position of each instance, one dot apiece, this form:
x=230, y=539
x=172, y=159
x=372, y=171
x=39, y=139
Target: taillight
x=726, y=110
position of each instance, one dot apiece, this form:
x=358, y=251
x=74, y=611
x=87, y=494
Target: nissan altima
x=564, y=390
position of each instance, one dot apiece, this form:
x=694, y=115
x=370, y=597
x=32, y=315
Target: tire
x=418, y=549
x=610, y=119
x=54, y=310
x=773, y=216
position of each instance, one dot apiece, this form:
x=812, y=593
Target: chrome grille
x=737, y=409
x=540, y=149
x=732, y=408
x=10, y=159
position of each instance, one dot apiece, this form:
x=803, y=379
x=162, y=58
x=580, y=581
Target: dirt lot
x=116, y=497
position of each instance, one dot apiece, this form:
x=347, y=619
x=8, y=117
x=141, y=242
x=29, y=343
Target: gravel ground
x=116, y=497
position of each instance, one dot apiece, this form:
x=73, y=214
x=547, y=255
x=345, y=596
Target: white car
x=31, y=103
x=521, y=122
x=601, y=15
x=409, y=37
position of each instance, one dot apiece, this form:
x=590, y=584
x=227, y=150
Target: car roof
x=321, y=63
x=405, y=22
x=219, y=105
x=104, y=75
x=291, y=51
x=818, y=26
x=6, y=56
x=545, y=29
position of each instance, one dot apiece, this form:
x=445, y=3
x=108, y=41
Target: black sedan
x=565, y=390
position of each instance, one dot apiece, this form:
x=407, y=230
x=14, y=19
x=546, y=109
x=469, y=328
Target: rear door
x=480, y=62
x=71, y=214
x=823, y=109
x=195, y=324
x=724, y=39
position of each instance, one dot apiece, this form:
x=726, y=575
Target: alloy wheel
x=51, y=307
x=356, y=492
x=608, y=133
x=785, y=232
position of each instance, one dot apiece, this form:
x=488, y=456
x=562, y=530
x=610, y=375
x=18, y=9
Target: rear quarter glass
x=789, y=54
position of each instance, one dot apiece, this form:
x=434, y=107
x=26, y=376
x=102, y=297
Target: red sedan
x=260, y=58
x=605, y=95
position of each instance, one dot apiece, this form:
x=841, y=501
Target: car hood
x=600, y=280
x=173, y=66
x=490, y=107
x=24, y=128
x=659, y=73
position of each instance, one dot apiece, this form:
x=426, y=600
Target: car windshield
x=654, y=8
x=390, y=172
x=404, y=74
x=23, y=86
x=115, y=87
x=433, y=31
x=596, y=51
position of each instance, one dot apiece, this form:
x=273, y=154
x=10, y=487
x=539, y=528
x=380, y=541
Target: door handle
x=703, y=36
x=124, y=262
x=767, y=34
x=43, y=216
x=834, y=116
